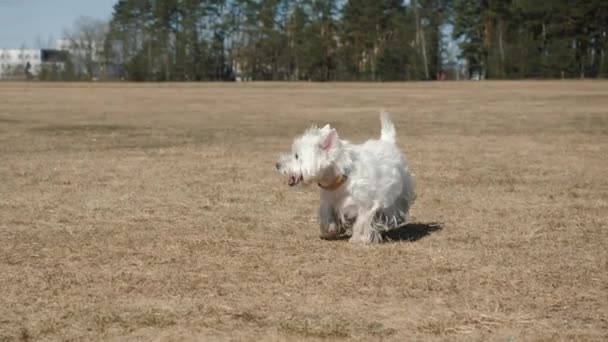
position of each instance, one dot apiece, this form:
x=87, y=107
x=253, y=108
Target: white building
x=15, y=62
x=80, y=46
x=12, y=60
x=63, y=44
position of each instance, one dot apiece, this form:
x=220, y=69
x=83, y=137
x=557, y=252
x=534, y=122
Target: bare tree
x=85, y=42
x=41, y=43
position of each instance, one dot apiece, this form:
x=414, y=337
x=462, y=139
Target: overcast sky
x=24, y=22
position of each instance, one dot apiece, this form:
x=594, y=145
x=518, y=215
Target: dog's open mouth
x=293, y=180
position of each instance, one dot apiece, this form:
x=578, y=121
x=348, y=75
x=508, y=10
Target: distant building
x=63, y=44
x=80, y=47
x=23, y=63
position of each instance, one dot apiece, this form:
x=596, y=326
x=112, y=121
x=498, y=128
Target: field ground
x=132, y=211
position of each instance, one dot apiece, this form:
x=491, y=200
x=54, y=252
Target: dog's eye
x=297, y=156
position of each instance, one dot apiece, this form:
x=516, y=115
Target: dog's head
x=312, y=154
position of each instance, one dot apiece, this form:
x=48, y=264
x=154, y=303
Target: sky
x=25, y=23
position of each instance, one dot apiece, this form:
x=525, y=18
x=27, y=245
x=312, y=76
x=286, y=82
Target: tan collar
x=335, y=185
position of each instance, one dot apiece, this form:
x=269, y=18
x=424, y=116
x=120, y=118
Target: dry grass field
x=154, y=212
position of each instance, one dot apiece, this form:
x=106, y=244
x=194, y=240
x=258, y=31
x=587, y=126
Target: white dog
x=364, y=186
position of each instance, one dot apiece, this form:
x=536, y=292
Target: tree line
x=531, y=38
x=352, y=40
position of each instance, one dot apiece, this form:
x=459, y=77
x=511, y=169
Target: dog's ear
x=330, y=139
x=326, y=128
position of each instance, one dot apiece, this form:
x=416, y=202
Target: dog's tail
x=387, y=132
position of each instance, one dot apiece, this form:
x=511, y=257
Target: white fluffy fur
x=379, y=190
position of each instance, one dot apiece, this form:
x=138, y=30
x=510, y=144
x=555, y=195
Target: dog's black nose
x=278, y=165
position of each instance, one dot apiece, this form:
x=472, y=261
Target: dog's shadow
x=412, y=231
x=407, y=232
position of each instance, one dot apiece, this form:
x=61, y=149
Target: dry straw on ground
x=153, y=211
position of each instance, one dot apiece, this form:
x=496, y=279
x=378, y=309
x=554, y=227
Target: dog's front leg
x=327, y=220
x=363, y=229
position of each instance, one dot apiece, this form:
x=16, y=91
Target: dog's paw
x=366, y=239
x=358, y=240
x=329, y=236
x=330, y=231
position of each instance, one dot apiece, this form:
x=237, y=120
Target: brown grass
x=154, y=211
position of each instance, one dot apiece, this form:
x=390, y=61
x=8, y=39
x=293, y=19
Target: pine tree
x=468, y=29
